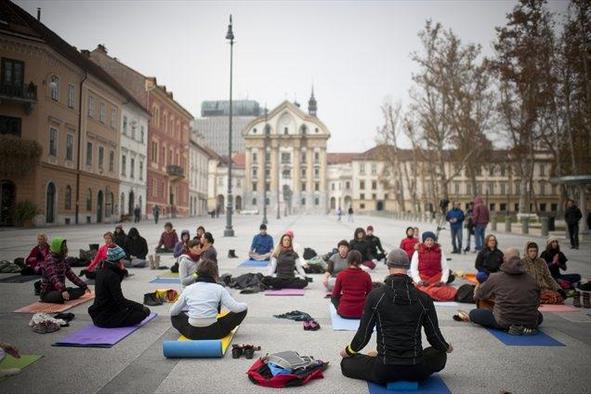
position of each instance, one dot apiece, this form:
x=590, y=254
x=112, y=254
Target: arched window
x=89, y=200
x=68, y=198
x=303, y=129
x=54, y=88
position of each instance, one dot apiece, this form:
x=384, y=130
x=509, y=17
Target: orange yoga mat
x=45, y=307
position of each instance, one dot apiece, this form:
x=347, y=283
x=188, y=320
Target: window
x=457, y=187
x=316, y=157
x=303, y=172
x=542, y=169
x=13, y=72
x=303, y=201
x=303, y=158
x=112, y=161
x=362, y=168
x=285, y=157
x=347, y=185
x=362, y=196
x=101, y=157
x=69, y=147
x=163, y=155
x=170, y=157
x=10, y=126
x=374, y=196
x=254, y=201
x=332, y=186
x=154, y=152
x=132, y=168
x=123, y=165
x=254, y=172
x=362, y=185
x=361, y=206
x=316, y=186
x=491, y=207
x=303, y=186
x=52, y=142
x=102, y=112
x=491, y=170
x=254, y=186
x=91, y=106
x=286, y=174
x=374, y=185
x=141, y=170
x=68, y=198
x=89, y=200
x=543, y=207
x=542, y=187
x=133, y=128
x=503, y=207
x=124, y=125
x=516, y=207
x=254, y=131
x=254, y=157
x=268, y=186
x=316, y=172
x=89, y=153
x=285, y=130
x=316, y=201
x=113, y=118
x=54, y=88
x=517, y=187
x=142, y=133
x=71, y=95
x=374, y=169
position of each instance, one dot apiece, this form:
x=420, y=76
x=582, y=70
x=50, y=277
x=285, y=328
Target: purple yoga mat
x=285, y=292
x=93, y=336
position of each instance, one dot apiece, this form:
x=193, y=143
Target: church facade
x=286, y=156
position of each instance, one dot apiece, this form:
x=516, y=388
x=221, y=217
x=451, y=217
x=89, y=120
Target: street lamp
x=266, y=144
x=229, y=231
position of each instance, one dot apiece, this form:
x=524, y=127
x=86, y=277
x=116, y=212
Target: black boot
x=232, y=254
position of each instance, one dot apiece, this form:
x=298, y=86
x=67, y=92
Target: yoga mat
x=285, y=292
x=45, y=307
x=340, y=324
x=433, y=385
x=169, y=275
x=540, y=339
x=254, y=263
x=23, y=362
x=557, y=308
x=93, y=336
x=448, y=304
x=20, y=278
x=169, y=281
x=205, y=348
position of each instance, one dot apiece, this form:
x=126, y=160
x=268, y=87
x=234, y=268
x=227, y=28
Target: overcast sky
x=356, y=54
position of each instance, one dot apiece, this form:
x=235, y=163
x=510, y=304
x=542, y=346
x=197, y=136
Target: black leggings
x=284, y=283
x=55, y=297
x=372, y=369
x=217, y=330
x=123, y=318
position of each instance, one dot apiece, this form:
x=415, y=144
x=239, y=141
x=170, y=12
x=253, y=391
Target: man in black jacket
x=397, y=310
x=572, y=215
x=377, y=249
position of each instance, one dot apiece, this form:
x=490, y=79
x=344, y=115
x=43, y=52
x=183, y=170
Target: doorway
x=50, y=203
x=99, y=207
x=7, y=202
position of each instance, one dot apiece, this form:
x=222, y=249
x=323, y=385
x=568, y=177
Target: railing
x=24, y=92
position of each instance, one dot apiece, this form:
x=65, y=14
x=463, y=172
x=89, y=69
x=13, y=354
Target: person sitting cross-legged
x=284, y=265
x=37, y=256
x=261, y=247
x=550, y=290
x=110, y=308
x=351, y=288
x=397, y=310
x=194, y=314
x=336, y=263
x=430, y=271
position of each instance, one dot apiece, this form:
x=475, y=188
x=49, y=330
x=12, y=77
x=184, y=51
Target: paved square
x=479, y=364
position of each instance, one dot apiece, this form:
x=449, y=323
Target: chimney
x=39, y=14
x=85, y=52
x=102, y=48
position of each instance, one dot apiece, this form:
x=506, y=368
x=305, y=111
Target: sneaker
x=461, y=316
x=249, y=351
x=237, y=351
x=520, y=330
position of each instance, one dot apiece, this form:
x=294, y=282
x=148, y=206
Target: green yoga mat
x=23, y=362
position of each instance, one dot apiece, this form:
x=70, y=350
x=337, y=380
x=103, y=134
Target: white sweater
x=201, y=301
x=187, y=268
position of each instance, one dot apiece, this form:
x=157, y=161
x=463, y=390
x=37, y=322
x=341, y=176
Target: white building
x=199, y=156
x=217, y=188
x=340, y=180
x=133, y=153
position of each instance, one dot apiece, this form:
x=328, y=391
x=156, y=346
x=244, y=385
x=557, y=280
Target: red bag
x=259, y=373
x=436, y=290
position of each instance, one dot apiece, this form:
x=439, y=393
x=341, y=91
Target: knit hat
x=398, y=258
x=290, y=233
x=370, y=228
x=429, y=234
x=56, y=245
x=115, y=254
x=550, y=240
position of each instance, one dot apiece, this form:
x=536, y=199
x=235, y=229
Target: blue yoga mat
x=540, y=339
x=254, y=263
x=166, y=280
x=433, y=385
x=340, y=324
x=209, y=348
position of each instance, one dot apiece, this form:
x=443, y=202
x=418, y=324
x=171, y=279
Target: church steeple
x=312, y=105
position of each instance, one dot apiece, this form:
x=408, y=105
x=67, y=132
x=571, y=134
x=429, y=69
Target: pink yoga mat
x=285, y=292
x=93, y=336
x=45, y=307
x=557, y=308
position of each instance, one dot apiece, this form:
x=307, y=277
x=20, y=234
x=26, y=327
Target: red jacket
x=351, y=287
x=100, y=256
x=37, y=256
x=408, y=245
x=168, y=240
x=429, y=260
x=480, y=214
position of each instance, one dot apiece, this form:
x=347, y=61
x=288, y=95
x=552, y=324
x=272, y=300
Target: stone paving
x=479, y=363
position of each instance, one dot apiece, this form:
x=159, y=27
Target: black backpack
x=309, y=253
x=465, y=294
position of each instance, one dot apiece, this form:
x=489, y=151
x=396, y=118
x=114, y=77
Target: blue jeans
x=479, y=236
x=456, y=238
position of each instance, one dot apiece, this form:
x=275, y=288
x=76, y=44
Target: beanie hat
x=429, y=234
x=115, y=254
x=56, y=245
x=290, y=233
x=370, y=228
x=398, y=258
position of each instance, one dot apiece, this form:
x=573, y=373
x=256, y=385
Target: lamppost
x=266, y=144
x=229, y=231
x=278, y=180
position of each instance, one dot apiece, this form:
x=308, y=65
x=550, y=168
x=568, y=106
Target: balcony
x=26, y=94
x=175, y=172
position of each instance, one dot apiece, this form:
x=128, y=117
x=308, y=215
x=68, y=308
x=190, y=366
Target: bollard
x=525, y=225
x=507, y=224
x=544, y=220
x=493, y=223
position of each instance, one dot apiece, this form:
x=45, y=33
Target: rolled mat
x=539, y=339
x=169, y=281
x=433, y=385
x=557, y=308
x=46, y=307
x=20, y=278
x=340, y=324
x=254, y=263
x=285, y=292
x=448, y=304
x=93, y=336
x=205, y=348
x=24, y=361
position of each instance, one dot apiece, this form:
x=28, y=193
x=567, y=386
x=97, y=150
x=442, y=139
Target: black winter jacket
x=489, y=260
x=376, y=245
x=109, y=298
x=397, y=310
x=135, y=245
x=363, y=247
x=572, y=215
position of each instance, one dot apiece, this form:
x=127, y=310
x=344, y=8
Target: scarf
x=194, y=257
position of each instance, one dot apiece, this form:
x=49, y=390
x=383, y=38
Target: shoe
x=237, y=351
x=249, y=351
x=461, y=316
x=577, y=299
x=311, y=325
x=67, y=316
x=586, y=300
x=520, y=330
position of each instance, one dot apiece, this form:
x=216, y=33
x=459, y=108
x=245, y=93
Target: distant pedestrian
x=480, y=217
x=350, y=215
x=469, y=225
x=339, y=214
x=572, y=215
x=455, y=217
x=137, y=214
x=156, y=213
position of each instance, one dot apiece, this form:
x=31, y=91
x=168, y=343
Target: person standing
x=137, y=214
x=480, y=218
x=469, y=225
x=572, y=215
x=339, y=214
x=350, y=215
x=455, y=217
x=156, y=213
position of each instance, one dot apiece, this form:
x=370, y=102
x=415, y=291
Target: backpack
x=309, y=253
x=465, y=294
x=299, y=370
